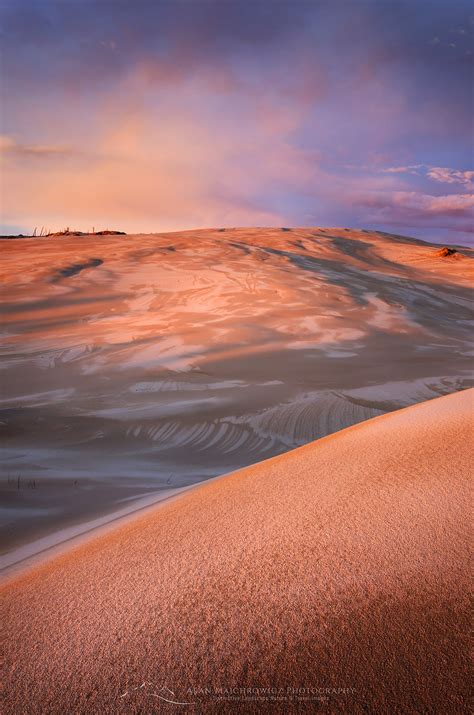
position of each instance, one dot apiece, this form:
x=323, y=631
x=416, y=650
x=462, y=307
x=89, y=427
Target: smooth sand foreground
x=340, y=567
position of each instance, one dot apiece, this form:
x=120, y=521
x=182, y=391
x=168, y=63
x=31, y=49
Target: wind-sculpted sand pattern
x=145, y=361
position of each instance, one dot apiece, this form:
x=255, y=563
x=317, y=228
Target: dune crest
x=339, y=567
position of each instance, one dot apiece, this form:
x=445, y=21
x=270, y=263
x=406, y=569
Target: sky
x=158, y=115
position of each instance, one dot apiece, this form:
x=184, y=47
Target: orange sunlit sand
x=337, y=571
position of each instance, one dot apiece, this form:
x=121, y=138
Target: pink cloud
x=182, y=164
x=403, y=169
x=409, y=208
x=422, y=203
x=443, y=175
x=451, y=176
x=452, y=204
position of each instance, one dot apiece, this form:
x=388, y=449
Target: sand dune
x=136, y=363
x=338, y=569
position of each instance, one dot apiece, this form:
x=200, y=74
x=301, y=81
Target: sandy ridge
x=340, y=567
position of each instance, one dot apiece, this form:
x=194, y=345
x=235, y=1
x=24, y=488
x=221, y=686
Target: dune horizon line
x=43, y=232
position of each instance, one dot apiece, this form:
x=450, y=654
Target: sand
x=137, y=363
x=339, y=568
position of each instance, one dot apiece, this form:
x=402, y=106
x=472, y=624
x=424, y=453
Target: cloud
x=410, y=208
x=452, y=204
x=109, y=44
x=188, y=161
x=443, y=175
x=451, y=176
x=414, y=169
x=10, y=147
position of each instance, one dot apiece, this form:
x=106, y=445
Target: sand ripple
x=194, y=353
